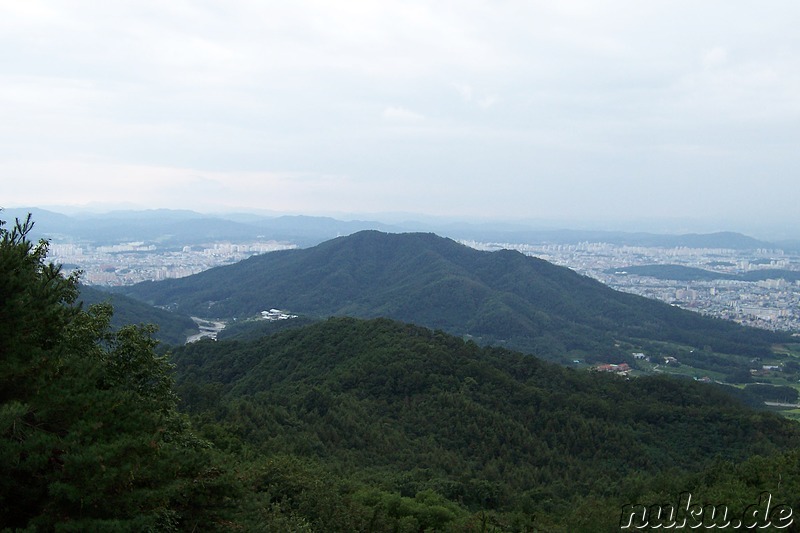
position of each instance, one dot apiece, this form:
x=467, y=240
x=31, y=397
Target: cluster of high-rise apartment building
x=129, y=263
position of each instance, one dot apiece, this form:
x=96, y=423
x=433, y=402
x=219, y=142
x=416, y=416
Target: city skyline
x=572, y=111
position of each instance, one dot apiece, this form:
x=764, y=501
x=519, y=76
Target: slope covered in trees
x=172, y=328
x=403, y=409
x=496, y=297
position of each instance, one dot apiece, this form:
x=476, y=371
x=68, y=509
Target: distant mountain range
x=725, y=239
x=179, y=228
x=499, y=297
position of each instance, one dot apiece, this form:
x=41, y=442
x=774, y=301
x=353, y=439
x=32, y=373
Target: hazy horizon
x=666, y=226
x=652, y=115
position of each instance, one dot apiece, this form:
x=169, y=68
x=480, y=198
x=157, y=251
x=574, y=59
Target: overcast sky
x=500, y=108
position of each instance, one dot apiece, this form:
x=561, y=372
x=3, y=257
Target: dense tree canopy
x=406, y=410
x=89, y=434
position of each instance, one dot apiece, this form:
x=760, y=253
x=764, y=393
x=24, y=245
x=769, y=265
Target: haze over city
x=570, y=111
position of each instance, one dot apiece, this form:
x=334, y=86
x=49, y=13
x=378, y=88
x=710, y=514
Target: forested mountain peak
x=388, y=246
x=496, y=297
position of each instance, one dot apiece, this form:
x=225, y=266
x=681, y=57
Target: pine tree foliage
x=424, y=421
x=90, y=438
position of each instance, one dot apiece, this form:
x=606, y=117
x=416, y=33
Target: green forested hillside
x=257, y=328
x=406, y=410
x=497, y=297
x=173, y=328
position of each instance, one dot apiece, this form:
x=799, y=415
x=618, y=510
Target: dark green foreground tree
x=90, y=438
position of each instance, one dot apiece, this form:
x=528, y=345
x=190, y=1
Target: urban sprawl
x=770, y=303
